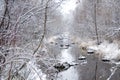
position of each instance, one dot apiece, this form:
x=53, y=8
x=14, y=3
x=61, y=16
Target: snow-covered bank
x=105, y=50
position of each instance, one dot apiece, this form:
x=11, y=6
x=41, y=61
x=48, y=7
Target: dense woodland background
x=27, y=25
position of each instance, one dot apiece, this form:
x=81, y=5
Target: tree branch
x=45, y=23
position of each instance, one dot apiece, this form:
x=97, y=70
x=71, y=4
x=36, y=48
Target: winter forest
x=59, y=39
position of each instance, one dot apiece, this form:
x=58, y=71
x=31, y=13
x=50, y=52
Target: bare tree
x=95, y=22
x=25, y=24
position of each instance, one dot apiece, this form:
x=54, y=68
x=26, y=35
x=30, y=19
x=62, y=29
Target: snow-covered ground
x=105, y=50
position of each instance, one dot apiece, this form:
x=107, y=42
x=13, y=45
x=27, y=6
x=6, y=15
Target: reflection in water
x=66, y=56
x=71, y=73
x=67, y=9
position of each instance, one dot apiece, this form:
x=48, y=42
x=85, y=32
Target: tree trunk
x=95, y=22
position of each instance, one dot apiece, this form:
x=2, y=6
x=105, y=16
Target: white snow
x=107, y=50
x=35, y=74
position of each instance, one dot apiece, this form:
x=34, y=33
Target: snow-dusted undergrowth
x=29, y=71
x=35, y=74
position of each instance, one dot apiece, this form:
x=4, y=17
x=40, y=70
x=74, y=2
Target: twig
x=4, y=14
x=9, y=75
x=45, y=21
x=40, y=43
x=36, y=72
x=114, y=70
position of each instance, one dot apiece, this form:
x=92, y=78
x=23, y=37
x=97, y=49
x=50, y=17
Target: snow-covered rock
x=82, y=58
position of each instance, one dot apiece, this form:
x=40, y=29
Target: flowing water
x=67, y=9
x=71, y=73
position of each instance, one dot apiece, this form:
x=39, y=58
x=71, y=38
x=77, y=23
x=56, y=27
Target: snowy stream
x=71, y=73
x=67, y=9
